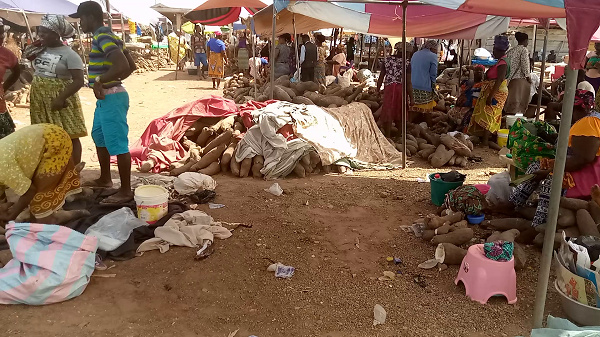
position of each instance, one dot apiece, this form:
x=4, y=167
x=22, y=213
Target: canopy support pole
x=535, y=27
x=404, y=86
x=81, y=48
x=542, y=71
x=27, y=24
x=107, y=2
x=122, y=28
x=178, y=19
x=272, y=54
x=296, y=49
x=362, y=40
x=555, y=194
x=256, y=71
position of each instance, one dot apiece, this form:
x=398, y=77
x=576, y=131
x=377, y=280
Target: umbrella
x=213, y=12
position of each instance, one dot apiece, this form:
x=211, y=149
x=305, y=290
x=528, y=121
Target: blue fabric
x=424, y=64
x=280, y=5
x=216, y=45
x=200, y=58
x=110, y=129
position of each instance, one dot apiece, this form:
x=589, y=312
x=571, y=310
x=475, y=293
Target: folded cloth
x=501, y=251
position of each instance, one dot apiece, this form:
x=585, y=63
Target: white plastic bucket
x=152, y=202
x=511, y=119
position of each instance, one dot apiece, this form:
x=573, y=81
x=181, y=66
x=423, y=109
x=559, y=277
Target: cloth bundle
x=501, y=251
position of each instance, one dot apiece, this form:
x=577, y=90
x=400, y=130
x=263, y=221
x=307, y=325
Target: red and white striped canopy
x=220, y=13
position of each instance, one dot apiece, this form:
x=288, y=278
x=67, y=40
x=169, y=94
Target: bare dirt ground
x=336, y=230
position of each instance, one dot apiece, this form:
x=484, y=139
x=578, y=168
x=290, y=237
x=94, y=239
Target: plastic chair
x=558, y=72
x=484, y=278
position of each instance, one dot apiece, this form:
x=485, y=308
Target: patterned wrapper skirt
x=320, y=73
x=424, y=100
x=7, y=126
x=392, y=103
x=216, y=67
x=243, y=59
x=43, y=91
x=55, y=177
x=488, y=117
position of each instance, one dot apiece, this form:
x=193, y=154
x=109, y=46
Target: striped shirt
x=104, y=42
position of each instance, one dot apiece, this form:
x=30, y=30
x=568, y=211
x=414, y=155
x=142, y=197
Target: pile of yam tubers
x=240, y=89
x=450, y=230
x=149, y=60
x=439, y=150
x=213, y=151
x=576, y=217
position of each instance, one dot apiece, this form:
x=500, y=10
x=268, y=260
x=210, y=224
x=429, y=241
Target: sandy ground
x=336, y=230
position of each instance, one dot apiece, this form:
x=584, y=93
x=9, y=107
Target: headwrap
x=479, y=67
x=218, y=33
x=501, y=42
x=501, y=251
x=57, y=24
x=430, y=44
x=584, y=99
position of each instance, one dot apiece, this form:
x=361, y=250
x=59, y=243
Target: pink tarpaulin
x=382, y=19
x=161, y=139
x=583, y=17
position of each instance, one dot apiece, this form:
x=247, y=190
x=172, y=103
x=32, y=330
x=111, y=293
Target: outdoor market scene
x=252, y=168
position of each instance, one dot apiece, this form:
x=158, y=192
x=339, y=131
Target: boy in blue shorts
x=110, y=63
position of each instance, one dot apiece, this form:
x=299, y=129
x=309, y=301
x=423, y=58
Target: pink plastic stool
x=484, y=278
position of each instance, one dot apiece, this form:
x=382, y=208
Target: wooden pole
x=271, y=58
x=107, y=2
x=27, y=24
x=362, y=40
x=296, y=49
x=404, y=81
x=178, y=20
x=252, y=38
x=122, y=28
x=535, y=28
x=542, y=71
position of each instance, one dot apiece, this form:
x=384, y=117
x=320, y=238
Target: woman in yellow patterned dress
x=58, y=78
x=36, y=163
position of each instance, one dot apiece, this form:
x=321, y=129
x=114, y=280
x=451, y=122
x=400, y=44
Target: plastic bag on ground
x=189, y=182
x=113, y=229
x=500, y=189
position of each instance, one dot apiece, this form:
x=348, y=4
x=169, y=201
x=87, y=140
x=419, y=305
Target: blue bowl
x=475, y=219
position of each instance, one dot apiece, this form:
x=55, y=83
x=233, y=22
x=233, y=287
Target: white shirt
x=587, y=86
x=302, y=54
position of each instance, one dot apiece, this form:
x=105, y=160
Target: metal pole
x=542, y=71
x=271, y=58
x=362, y=40
x=535, y=27
x=296, y=49
x=122, y=28
x=252, y=37
x=555, y=194
x=178, y=19
x=107, y=2
x=27, y=24
x=404, y=82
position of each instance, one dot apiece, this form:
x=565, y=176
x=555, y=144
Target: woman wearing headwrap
x=8, y=61
x=519, y=80
x=424, y=67
x=494, y=91
x=582, y=167
x=57, y=79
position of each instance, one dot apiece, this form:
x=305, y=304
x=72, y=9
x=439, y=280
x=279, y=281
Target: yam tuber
x=258, y=163
x=224, y=138
x=212, y=156
x=245, y=167
x=461, y=224
x=457, y=237
x=586, y=223
x=211, y=169
x=509, y=235
x=314, y=159
x=454, y=144
x=426, y=153
x=434, y=222
x=449, y=254
x=223, y=125
x=508, y=223
x=573, y=204
x=237, y=126
x=227, y=155
x=441, y=156
x=204, y=135
x=185, y=168
x=302, y=100
x=299, y=170
x=566, y=218
x=234, y=166
x=594, y=211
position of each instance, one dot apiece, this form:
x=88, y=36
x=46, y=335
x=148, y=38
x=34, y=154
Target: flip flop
x=108, y=192
x=92, y=184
